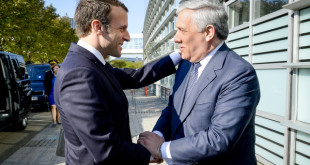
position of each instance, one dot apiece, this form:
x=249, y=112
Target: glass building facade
x=132, y=50
x=272, y=35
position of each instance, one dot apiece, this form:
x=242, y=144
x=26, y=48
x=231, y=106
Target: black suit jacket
x=94, y=108
x=48, y=77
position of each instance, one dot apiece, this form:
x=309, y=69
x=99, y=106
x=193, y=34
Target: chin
x=184, y=57
x=116, y=55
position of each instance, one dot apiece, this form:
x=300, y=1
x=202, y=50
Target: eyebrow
x=123, y=27
x=181, y=28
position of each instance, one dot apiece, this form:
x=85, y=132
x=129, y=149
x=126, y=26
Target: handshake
x=152, y=142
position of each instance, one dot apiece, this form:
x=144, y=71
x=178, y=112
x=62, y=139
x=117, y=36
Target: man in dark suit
x=211, y=112
x=48, y=77
x=89, y=92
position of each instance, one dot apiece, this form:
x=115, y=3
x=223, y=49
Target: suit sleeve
x=92, y=121
x=163, y=123
x=234, y=109
x=148, y=74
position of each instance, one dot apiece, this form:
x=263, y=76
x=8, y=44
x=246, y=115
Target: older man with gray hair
x=210, y=115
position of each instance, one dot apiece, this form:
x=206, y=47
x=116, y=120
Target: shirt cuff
x=159, y=134
x=165, y=152
x=175, y=57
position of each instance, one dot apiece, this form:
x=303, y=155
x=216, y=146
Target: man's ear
x=209, y=32
x=96, y=27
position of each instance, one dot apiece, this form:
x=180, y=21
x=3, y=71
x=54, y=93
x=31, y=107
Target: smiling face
x=192, y=42
x=117, y=32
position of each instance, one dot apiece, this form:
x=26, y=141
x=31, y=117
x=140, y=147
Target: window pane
x=37, y=72
x=302, y=148
x=16, y=70
x=238, y=13
x=303, y=113
x=272, y=84
x=264, y=7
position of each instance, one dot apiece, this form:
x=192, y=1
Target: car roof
x=10, y=54
x=29, y=65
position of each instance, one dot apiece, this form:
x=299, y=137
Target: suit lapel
x=110, y=75
x=181, y=87
x=206, y=77
x=108, y=72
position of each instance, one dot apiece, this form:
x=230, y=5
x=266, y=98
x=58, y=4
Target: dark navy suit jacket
x=216, y=125
x=94, y=108
x=48, y=77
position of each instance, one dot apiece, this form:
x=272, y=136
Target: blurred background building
x=72, y=23
x=272, y=35
x=132, y=50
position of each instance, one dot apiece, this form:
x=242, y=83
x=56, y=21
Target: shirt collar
x=93, y=50
x=208, y=57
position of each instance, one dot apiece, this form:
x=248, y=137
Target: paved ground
x=40, y=149
x=11, y=141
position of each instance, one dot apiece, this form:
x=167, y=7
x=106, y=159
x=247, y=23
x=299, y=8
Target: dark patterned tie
x=192, y=80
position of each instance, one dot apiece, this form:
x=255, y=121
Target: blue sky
x=137, y=9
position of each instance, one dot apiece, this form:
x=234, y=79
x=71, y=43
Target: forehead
x=185, y=18
x=118, y=16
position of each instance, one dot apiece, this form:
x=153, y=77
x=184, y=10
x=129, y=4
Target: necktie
x=192, y=79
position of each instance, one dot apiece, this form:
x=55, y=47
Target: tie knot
x=196, y=65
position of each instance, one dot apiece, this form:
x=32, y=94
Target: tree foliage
x=126, y=64
x=30, y=29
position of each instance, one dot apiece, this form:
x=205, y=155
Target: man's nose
x=176, y=38
x=126, y=36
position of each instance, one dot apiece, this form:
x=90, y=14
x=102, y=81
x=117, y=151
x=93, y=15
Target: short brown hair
x=89, y=10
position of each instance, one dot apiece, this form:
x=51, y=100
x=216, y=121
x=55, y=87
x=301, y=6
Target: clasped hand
x=152, y=142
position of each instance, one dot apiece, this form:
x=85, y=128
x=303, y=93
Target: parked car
x=36, y=75
x=15, y=96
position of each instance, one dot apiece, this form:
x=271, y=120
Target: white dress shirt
x=165, y=147
x=93, y=50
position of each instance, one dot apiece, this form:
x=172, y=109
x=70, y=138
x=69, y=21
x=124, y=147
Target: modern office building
x=272, y=35
x=132, y=50
x=72, y=23
x=158, y=32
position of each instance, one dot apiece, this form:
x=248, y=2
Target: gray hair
x=208, y=12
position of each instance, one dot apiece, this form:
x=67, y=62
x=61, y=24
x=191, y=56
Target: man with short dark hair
x=89, y=92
